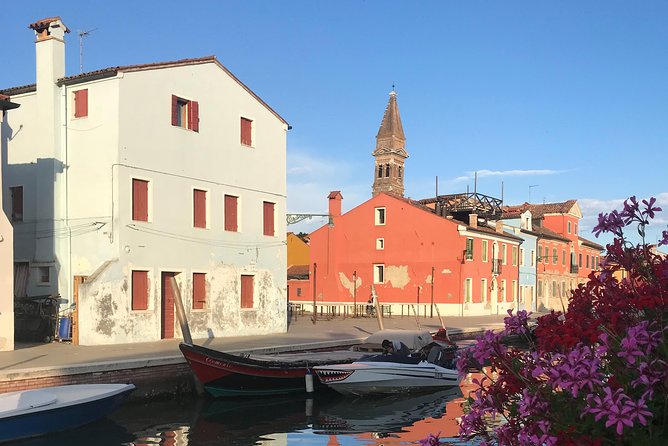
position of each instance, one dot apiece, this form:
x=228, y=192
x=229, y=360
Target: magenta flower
x=517, y=324
x=431, y=440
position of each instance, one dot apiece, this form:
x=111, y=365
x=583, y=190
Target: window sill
x=147, y=311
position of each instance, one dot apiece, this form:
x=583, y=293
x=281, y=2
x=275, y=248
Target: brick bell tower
x=390, y=152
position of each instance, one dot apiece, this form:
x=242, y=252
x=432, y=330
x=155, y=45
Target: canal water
x=328, y=419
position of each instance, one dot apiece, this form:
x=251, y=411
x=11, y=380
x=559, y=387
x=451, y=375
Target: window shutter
x=139, y=200
x=199, y=208
x=246, y=291
x=193, y=115
x=175, y=110
x=81, y=103
x=139, y=290
x=17, y=203
x=199, y=290
x=268, y=215
x=246, y=132
x=231, y=213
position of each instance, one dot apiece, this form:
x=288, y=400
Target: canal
x=328, y=419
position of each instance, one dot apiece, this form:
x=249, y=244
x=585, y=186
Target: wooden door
x=167, y=307
x=78, y=280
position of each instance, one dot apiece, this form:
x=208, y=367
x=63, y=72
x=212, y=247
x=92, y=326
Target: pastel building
x=118, y=179
x=436, y=251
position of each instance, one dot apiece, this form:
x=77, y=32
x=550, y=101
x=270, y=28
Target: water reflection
x=327, y=419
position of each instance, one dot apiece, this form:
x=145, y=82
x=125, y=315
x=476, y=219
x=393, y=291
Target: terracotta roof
x=41, y=24
x=538, y=210
x=591, y=244
x=113, y=71
x=298, y=272
x=548, y=233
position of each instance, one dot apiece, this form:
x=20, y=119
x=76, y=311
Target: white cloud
x=508, y=173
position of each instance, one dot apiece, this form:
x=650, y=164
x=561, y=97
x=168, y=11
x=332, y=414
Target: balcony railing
x=496, y=266
x=574, y=269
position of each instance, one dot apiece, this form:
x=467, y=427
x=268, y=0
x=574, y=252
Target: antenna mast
x=82, y=34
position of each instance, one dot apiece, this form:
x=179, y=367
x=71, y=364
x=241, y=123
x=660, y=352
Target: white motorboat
x=29, y=413
x=387, y=374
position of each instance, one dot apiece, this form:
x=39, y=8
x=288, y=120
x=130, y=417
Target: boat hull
x=63, y=414
x=224, y=374
x=384, y=378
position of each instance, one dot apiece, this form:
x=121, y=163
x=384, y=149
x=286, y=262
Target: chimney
x=473, y=220
x=499, y=227
x=335, y=198
x=50, y=66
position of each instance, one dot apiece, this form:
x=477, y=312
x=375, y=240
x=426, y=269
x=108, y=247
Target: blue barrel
x=65, y=328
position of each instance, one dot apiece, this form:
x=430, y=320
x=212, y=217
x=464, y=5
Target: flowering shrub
x=594, y=375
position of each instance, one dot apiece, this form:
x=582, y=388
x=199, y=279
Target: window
x=380, y=216
x=514, y=255
x=554, y=289
x=299, y=292
x=387, y=169
x=576, y=229
x=514, y=292
x=139, y=200
x=246, y=132
x=468, y=289
x=533, y=258
x=199, y=291
x=399, y=171
x=380, y=171
x=185, y=113
x=17, y=202
x=139, y=290
x=555, y=258
x=521, y=256
x=484, y=250
x=587, y=260
x=81, y=103
x=268, y=218
x=380, y=243
x=546, y=254
x=540, y=289
x=596, y=263
x=569, y=227
x=247, y=283
x=563, y=257
x=469, y=249
x=483, y=290
x=43, y=275
x=563, y=288
x=199, y=208
x=580, y=260
x=503, y=290
x=379, y=274
x=231, y=213
x=503, y=253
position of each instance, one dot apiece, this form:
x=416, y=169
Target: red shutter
x=246, y=132
x=231, y=213
x=246, y=291
x=175, y=110
x=139, y=200
x=199, y=202
x=199, y=290
x=17, y=203
x=139, y=290
x=268, y=215
x=81, y=103
x=193, y=116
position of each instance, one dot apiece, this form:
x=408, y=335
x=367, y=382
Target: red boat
x=224, y=374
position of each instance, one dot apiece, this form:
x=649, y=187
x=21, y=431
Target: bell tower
x=390, y=153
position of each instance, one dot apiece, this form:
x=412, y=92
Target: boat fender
x=308, y=378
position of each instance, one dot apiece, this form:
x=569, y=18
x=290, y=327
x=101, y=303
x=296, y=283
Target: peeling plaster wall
x=397, y=276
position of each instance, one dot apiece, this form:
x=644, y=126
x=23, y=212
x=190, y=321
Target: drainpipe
x=355, y=293
x=63, y=141
x=315, y=271
x=431, y=310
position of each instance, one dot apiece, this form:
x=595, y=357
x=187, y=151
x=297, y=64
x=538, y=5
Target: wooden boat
x=30, y=413
x=225, y=374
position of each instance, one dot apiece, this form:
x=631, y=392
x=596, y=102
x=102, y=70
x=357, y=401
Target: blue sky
x=570, y=97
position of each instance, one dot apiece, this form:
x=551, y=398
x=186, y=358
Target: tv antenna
x=82, y=34
x=531, y=186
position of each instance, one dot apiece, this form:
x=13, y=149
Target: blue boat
x=30, y=413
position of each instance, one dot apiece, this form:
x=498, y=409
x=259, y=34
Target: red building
x=438, y=251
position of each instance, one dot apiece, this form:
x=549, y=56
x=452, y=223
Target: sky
x=546, y=100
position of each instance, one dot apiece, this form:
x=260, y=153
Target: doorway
x=167, y=306
x=78, y=280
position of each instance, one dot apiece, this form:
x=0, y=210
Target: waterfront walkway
x=37, y=365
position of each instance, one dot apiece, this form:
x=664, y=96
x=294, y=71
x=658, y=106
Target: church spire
x=390, y=152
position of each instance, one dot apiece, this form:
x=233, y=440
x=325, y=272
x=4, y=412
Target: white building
x=120, y=178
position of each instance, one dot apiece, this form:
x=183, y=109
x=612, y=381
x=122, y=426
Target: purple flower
x=579, y=369
x=617, y=409
x=431, y=440
x=488, y=345
x=517, y=324
x=664, y=238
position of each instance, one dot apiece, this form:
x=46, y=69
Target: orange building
x=438, y=251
